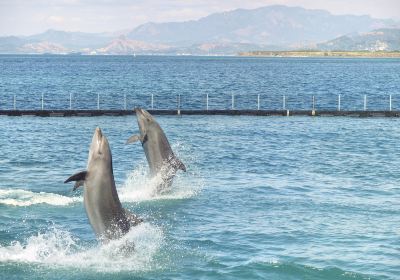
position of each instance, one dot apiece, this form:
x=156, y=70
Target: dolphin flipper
x=181, y=166
x=78, y=184
x=80, y=176
x=133, y=139
x=178, y=164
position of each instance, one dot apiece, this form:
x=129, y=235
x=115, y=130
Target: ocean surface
x=262, y=198
x=118, y=82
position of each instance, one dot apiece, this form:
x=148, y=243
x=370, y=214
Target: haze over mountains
x=266, y=28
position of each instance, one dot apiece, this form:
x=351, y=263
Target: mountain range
x=267, y=28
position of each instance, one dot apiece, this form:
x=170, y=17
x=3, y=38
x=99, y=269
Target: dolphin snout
x=138, y=110
x=98, y=135
x=98, y=132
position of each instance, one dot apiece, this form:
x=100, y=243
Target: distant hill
x=122, y=45
x=384, y=39
x=288, y=27
x=62, y=42
x=266, y=28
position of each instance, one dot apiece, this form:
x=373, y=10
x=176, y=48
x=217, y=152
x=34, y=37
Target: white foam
x=139, y=186
x=18, y=197
x=58, y=247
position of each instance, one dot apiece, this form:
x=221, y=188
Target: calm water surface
x=120, y=80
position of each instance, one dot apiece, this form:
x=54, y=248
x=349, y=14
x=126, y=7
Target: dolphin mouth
x=99, y=135
x=139, y=111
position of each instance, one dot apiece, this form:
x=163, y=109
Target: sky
x=27, y=17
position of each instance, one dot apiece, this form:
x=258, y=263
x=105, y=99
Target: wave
x=18, y=197
x=274, y=269
x=135, y=251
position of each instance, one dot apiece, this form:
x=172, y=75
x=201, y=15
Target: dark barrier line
x=93, y=113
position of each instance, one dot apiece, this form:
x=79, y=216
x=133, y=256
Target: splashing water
x=140, y=186
x=58, y=247
x=20, y=197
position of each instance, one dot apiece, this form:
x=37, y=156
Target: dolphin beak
x=99, y=135
x=138, y=111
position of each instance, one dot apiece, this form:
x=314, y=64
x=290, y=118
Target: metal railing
x=232, y=101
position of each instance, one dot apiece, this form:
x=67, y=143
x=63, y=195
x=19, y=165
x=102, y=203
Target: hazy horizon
x=23, y=17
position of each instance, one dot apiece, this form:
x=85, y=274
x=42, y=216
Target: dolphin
x=103, y=207
x=161, y=158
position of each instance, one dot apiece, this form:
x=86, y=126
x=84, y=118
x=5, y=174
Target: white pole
x=258, y=102
x=284, y=103
x=233, y=101
x=42, y=101
x=207, y=101
x=152, y=101
x=70, y=101
x=390, y=102
x=339, y=102
x=98, y=101
x=313, y=103
x=365, y=102
x=125, y=101
x=15, y=103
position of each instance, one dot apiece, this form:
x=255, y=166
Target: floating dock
x=95, y=113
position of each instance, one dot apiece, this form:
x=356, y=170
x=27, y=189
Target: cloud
x=56, y=19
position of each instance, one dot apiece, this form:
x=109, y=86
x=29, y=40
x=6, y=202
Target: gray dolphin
x=103, y=208
x=159, y=154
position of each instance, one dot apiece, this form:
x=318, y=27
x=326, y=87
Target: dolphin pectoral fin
x=179, y=164
x=132, y=218
x=80, y=176
x=78, y=184
x=133, y=139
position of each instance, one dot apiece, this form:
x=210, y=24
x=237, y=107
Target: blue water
x=114, y=79
x=263, y=197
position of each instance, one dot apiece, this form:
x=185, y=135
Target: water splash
x=57, y=247
x=140, y=186
x=18, y=197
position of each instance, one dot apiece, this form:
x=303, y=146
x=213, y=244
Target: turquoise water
x=263, y=198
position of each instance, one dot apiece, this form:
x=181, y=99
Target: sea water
x=262, y=198
x=119, y=82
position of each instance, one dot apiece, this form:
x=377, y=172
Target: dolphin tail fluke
x=79, y=178
x=133, y=139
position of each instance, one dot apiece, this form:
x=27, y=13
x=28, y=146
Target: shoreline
x=339, y=54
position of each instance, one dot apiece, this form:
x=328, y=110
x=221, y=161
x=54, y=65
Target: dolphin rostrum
x=103, y=207
x=159, y=154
